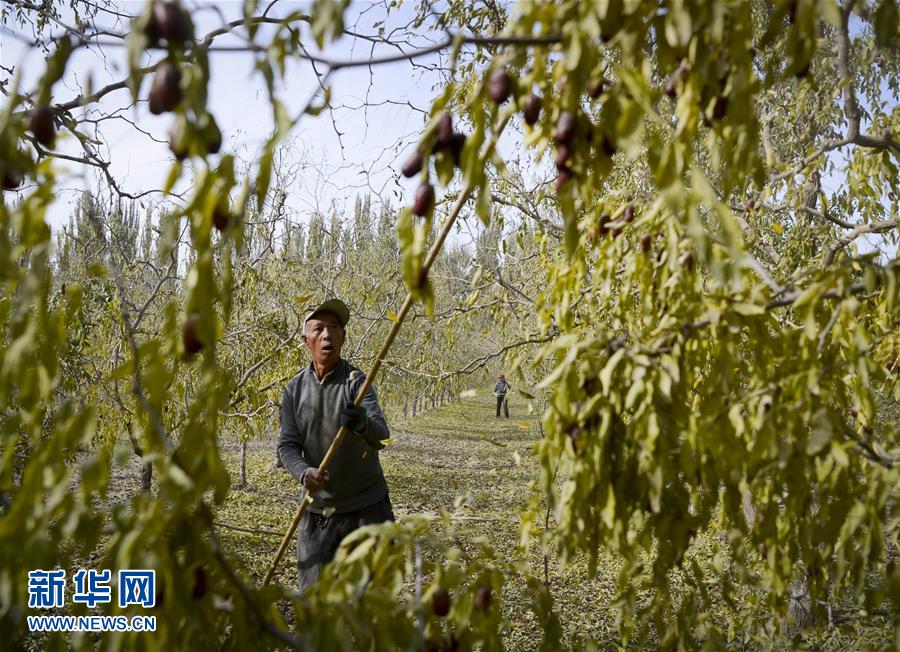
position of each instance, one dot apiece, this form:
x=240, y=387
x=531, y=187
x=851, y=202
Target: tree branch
x=873, y=227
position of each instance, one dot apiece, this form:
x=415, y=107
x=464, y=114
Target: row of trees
x=282, y=268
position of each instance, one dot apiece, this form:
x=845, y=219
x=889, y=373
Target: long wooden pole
x=382, y=354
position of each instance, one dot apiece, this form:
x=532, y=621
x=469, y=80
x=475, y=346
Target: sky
x=326, y=168
x=378, y=112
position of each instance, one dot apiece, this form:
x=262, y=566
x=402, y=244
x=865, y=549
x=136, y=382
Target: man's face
x=324, y=337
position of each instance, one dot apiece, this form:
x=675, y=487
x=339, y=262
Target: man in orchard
x=314, y=405
x=500, y=390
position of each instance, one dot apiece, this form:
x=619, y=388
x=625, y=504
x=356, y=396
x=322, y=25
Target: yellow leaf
x=748, y=309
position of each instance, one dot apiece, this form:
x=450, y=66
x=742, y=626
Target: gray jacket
x=310, y=418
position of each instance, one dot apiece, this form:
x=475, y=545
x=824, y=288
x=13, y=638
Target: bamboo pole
x=463, y=197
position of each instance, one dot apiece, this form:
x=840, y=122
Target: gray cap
x=335, y=306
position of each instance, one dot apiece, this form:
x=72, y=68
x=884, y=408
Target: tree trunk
x=811, y=190
x=405, y=406
x=749, y=510
x=800, y=607
x=243, y=463
x=146, y=477
x=414, y=401
x=275, y=465
x=800, y=612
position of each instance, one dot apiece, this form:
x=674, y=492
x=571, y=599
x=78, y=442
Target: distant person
x=500, y=390
x=314, y=405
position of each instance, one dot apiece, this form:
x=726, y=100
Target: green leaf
x=265, y=171
x=820, y=432
x=629, y=130
x=360, y=550
x=483, y=205
x=885, y=23
x=748, y=309
x=56, y=66
x=327, y=20
x=573, y=53
x=606, y=373
x=172, y=177
x=609, y=508
x=678, y=25
x=178, y=476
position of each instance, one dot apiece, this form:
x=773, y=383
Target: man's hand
x=314, y=479
x=354, y=418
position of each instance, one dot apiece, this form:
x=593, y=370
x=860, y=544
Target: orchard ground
x=462, y=459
